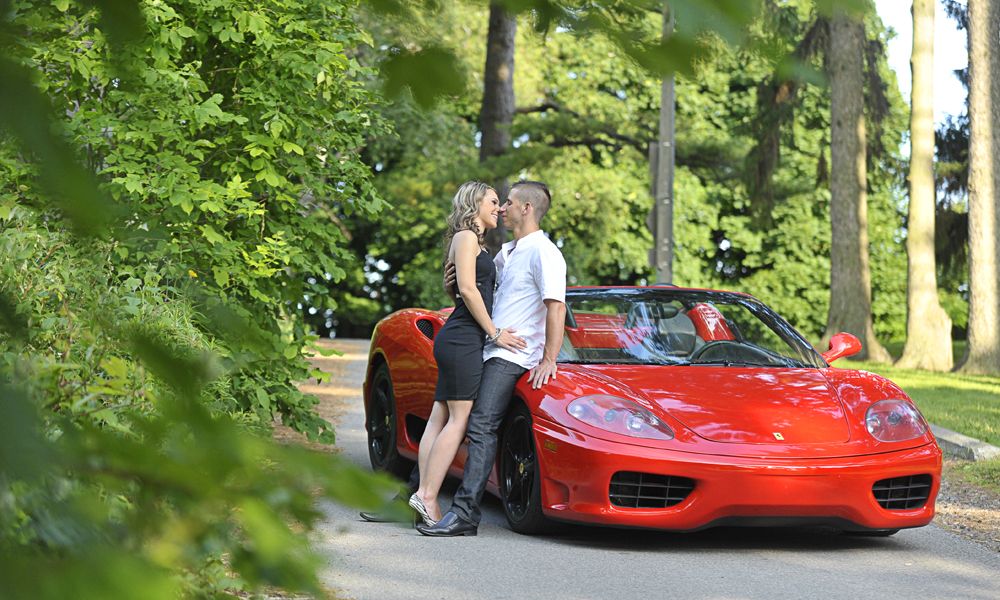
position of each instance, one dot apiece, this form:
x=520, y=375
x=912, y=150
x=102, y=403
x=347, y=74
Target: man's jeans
x=488, y=411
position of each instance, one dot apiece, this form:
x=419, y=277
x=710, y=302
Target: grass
x=968, y=404
x=985, y=474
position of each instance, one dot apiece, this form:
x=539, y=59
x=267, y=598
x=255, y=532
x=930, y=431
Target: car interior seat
x=678, y=333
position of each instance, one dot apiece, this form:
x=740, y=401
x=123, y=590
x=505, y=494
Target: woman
x=458, y=347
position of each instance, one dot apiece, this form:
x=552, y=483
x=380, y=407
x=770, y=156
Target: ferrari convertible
x=677, y=409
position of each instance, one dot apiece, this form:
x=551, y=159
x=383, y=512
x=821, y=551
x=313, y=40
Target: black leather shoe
x=450, y=525
x=375, y=517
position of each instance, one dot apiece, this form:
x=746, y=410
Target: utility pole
x=661, y=162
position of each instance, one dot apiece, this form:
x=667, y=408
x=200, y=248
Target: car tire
x=381, y=424
x=519, y=476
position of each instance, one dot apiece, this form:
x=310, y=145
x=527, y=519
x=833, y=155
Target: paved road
x=386, y=561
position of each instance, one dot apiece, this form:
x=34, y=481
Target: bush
x=171, y=186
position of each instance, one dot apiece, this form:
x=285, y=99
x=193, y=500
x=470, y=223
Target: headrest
x=678, y=333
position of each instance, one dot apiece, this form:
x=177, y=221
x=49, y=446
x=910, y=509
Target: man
x=531, y=300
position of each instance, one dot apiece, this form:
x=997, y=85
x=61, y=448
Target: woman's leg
x=436, y=422
x=442, y=454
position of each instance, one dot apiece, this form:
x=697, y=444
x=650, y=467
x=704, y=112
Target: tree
x=164, y=204
x=983, y=354
x=497, y=113
x=586, y=112
x=850, y=277
x=928, y=327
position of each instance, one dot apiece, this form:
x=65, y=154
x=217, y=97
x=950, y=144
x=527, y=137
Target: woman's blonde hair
x=464, y=209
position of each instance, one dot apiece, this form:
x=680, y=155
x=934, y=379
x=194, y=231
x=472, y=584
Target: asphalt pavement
x=387, y=561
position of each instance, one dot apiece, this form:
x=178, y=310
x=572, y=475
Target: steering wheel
x=721, y=350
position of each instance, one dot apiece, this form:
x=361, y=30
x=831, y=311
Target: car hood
x=741, y=405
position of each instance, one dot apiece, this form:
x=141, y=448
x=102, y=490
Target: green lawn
x=985, y=474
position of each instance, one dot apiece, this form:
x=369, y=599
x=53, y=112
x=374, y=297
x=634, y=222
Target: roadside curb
x=962, y=446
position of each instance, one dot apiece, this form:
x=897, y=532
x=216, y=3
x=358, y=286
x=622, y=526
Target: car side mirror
x=841, y=345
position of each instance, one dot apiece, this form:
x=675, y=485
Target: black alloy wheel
x=381, y=426
x=520, y=480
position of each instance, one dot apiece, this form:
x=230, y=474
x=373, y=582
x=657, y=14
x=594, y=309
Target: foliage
x=587, y=112
x=173, y=183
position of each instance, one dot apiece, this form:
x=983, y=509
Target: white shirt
x=529, y=271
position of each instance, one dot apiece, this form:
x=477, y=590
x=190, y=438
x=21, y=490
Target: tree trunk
x=850, y=278
x=928, y=327
x=983, y=354
x=497, y=111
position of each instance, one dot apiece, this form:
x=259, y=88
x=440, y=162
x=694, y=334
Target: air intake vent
x=645, y=490
x=426, y=328
x=902, y=493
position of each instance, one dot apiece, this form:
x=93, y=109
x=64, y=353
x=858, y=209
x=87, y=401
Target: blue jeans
x=488, y=411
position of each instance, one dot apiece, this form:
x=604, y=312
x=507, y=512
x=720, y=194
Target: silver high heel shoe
x=418, y=505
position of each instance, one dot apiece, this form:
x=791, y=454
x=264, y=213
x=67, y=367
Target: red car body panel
x=822, y=465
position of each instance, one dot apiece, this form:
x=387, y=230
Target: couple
x=479, y=356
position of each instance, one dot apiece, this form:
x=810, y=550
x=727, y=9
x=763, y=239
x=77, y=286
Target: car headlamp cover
x=894, y=421
x=620, y=416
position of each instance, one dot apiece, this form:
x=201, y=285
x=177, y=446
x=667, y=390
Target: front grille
x=902, y=493
x=426, y=328
x=646, y=490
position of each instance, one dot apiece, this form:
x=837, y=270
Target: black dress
x=458, y=347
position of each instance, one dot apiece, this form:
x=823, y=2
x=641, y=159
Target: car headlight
x=619, y=415
x=894, y=421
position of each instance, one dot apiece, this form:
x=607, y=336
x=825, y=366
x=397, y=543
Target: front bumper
x=576, y=472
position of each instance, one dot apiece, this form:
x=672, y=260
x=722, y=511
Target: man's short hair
x=534, y=193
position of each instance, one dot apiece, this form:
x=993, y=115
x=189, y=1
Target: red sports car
x=677, y=409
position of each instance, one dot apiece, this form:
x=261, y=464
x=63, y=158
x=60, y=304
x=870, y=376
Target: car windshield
x=679, y=327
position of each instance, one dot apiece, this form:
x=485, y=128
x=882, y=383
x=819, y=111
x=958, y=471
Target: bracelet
x=493, y=338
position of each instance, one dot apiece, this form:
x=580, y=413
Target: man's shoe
x=450, y=525
x=375, y=517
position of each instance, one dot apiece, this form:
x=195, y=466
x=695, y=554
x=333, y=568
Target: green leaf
x=429, y=74
x=263, y=400
x=292, y=147
x=121, y=20
x=212, y=235
x=24, y=112
x=325, y=351
x=273, y=178
x=6, y=208
x=221, y=276
x=23, y=451
x=320, y=375
x=12, y=322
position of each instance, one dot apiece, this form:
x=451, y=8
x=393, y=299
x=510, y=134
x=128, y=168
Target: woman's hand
x=509, y=341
